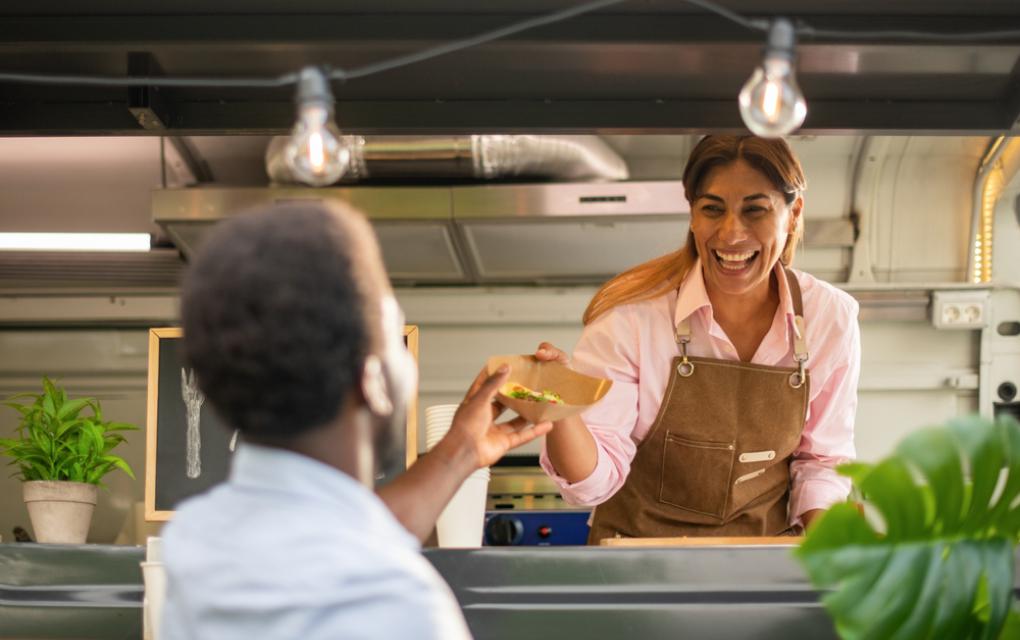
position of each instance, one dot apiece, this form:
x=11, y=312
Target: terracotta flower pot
x=61, y=512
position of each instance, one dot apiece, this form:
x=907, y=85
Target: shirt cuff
x=817, y=493
x=594, y=489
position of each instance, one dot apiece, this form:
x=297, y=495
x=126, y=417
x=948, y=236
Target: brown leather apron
x=716, y=462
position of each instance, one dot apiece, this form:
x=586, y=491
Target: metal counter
x=591, y=592
x=70, y=591
x=95, y=591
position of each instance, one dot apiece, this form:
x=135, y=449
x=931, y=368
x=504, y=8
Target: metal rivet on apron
x=686, y=367
x=798, y=378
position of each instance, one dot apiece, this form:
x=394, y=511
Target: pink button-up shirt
x=633, y=345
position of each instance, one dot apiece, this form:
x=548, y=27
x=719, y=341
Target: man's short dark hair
x=274, y=318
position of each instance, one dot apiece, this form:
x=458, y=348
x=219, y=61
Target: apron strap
x=800, y=350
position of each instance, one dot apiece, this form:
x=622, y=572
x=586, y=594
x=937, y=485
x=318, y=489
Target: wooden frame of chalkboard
x=197, y=423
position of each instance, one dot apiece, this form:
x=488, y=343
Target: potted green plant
x=931, y=554
x=62, y=454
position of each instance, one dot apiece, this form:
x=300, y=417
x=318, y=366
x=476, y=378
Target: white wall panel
x=907, y=379
x=919, y=206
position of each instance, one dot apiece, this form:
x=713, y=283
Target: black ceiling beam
x=113, y=31
x=510, y=116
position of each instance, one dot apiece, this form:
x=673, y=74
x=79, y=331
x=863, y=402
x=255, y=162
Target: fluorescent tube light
x=74, y=242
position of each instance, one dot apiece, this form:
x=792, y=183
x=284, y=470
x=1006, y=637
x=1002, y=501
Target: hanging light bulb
x=315, y=153
x=771, y=103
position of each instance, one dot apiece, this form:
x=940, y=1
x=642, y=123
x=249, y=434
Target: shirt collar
x=693, y=296
x=281, y=471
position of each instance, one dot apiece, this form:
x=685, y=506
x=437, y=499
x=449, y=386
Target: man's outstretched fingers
x=527, y=434
x=486, y=391
x=510, y=426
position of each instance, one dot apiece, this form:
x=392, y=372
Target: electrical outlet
x=960, y=309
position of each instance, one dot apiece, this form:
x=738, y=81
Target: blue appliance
x=536, y=527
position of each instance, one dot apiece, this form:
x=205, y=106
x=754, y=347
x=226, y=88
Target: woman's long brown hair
x=772, y=157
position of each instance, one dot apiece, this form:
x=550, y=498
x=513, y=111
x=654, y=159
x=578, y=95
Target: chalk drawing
x=193, y=400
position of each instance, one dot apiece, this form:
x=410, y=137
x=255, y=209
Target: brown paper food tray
x=577, y=390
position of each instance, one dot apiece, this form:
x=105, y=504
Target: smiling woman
x=773, y=161
x=715, y=424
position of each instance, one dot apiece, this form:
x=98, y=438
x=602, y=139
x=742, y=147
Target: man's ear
x=374, y=387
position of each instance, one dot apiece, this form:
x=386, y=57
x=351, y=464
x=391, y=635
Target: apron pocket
x=696, y=474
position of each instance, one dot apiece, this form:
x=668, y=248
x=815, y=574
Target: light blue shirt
x=290, y=548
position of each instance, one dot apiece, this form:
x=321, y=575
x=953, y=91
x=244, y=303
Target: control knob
x=504, y=530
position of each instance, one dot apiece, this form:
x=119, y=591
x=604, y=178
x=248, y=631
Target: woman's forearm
x=571, y=449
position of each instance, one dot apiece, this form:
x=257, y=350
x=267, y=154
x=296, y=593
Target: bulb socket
x=313, y=86
x=782, y=39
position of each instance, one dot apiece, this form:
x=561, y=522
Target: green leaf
x=95, y=433
x=120, y=426
x=69, y=410
x=1009, y=433
x=96, y=410
x=121, y=464
x=943, y=565
x=935, y=454
x=1011, y=630
x=68, y=426
x=48, y=406
x=24, y=410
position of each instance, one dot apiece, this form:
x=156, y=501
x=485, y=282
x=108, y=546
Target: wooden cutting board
x=700, y=542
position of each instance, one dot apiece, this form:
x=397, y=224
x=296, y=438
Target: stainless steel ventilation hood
x=581, y=232
x=544, y=233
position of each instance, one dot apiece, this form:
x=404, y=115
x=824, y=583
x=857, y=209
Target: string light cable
x=763, y=25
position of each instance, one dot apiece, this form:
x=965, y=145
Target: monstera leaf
x=940, y=562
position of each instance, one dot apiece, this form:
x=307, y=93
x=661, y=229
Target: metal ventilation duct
x=578, y=158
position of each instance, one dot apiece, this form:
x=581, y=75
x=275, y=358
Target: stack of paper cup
x=154, y=578
x=462, y=521
x=438, y=419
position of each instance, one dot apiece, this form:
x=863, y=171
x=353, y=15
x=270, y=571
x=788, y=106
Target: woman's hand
x=548, y=353
x=570, y=447
x=475, y=435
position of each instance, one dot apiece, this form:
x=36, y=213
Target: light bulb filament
x=770, y=100
x=316, y=153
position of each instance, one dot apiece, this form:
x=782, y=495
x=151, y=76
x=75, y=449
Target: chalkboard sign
x=188, y=448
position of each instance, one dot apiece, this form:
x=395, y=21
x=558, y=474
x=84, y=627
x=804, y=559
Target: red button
x=544, y=531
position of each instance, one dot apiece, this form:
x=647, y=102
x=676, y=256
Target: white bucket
x=462, y=522
x=154, y=577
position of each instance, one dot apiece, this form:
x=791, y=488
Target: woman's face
x=740, y=223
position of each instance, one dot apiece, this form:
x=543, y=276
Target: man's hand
x=418, y=496
x=475, y=436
